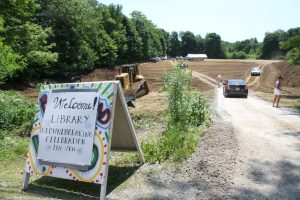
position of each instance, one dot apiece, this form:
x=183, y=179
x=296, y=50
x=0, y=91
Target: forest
x=64, y=38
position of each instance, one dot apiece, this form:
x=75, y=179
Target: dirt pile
x=102, y=74
x=290, y=74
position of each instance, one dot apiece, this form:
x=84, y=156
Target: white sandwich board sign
x=75, y=127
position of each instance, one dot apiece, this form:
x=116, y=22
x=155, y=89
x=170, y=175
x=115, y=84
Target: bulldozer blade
x=130, y=104
x=141, y=89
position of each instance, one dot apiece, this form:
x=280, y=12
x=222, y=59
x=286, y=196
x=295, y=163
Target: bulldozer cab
x=131, y=70
x=133, y=83
x=124, y=79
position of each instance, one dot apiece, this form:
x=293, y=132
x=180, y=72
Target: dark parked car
x=235, y=87
x=154, y=59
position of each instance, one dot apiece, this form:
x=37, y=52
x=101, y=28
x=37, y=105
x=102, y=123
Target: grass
x=13, y=150
x=186, y=116
x=141, y=119
x=16, y=113
x=122, y=166
x=49, y=188
x=296, y=106
x=162, y=141
x=292, y=101
x=174, y=145
x=12, y=147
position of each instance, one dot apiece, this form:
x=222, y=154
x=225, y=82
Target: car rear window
x=236, y=82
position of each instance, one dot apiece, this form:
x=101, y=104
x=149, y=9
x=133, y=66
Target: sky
x=233, y=20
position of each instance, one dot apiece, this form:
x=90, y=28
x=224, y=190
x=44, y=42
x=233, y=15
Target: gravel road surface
x=251, y=151
x=269, y=147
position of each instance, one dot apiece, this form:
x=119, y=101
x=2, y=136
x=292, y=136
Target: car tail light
x=228, y=87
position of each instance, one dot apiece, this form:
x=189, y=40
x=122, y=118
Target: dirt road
x=269, y=145
x=252, y=151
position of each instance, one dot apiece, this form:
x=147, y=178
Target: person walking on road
x=220, y=80
x=277, y=91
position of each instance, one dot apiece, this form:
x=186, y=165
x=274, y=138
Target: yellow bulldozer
x=133, y=83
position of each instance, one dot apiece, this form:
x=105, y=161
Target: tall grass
x=12, y=147
x=16, y=115
x=186, y=115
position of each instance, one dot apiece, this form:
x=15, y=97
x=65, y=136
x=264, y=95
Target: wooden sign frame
x=116, y=133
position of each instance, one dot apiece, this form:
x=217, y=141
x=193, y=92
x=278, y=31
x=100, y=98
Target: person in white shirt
x=277, y=91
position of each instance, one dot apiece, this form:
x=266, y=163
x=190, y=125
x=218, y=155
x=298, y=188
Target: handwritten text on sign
x=68, y=127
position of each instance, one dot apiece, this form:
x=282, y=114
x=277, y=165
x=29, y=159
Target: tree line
x=63, y=38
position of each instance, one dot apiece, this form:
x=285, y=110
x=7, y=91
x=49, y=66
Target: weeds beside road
x=186, y=116
x=182, y=125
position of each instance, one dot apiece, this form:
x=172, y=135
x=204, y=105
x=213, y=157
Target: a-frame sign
x=76, y=125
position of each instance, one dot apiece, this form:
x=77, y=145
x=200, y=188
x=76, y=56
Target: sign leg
x=103, y=191
x=141, y=156
x=26, y=181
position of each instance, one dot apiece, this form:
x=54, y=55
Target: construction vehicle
x=183, y=65
x=133, y=83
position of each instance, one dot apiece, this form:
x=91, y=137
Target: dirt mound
x=228, y=70
x=102, y=74
x=154, y=72
x=267, y=78
x=290, y=74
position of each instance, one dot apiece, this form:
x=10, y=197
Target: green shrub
x=187, y=111
x=297, y=106
x=10, y=63
x=175, y=144
x=186, y=108
x=293, y=56
x=239, y=55
x=12, y=147
x=16, y=114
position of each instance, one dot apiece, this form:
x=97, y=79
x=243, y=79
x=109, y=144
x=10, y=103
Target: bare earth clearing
x=251, y=151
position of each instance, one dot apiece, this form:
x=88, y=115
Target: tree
x=112, y=18
x=10, y=62
x=245, y=45
x=200, y=44
x=292, y=42
x=26, y=38
x=238, y=55
x=142, y=26
x=292, y=46
x=270, y=45
x=293, y=56
x=165, y=42
x=213, y=46
x=79, y=35
x=189, y=43
x=134, y=42
x=174, y=49
x=154, y=40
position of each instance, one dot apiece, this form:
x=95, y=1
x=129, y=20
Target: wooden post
x=103, y=189
x=104, y=185
x=26, y=181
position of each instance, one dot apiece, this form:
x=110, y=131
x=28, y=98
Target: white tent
x=196, y=56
